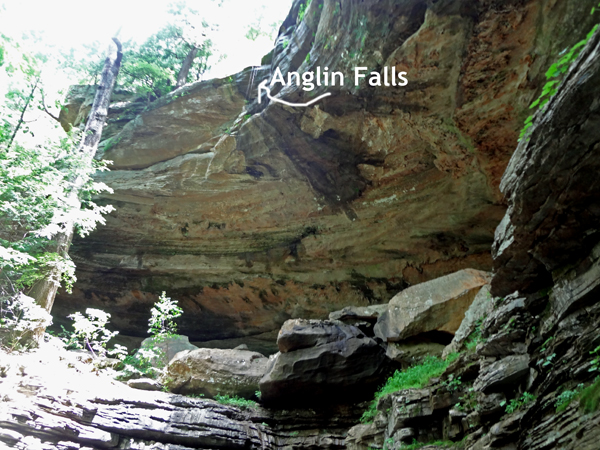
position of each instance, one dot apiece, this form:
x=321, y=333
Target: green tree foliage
x=153, y=68
x=35, y=181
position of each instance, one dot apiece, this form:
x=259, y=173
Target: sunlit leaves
x=37, y=200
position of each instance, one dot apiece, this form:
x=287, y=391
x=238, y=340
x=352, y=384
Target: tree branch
x=21, y=121
x=45, y=109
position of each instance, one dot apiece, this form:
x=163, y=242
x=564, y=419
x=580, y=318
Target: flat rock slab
x=145, y=384
x=369, y=313
x=436, y=305
x=502, y=373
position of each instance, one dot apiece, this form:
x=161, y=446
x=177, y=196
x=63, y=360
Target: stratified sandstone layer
x=250, y=214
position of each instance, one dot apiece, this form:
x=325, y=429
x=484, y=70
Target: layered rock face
x=251, y=214
x=532, y=380
x=78, y=409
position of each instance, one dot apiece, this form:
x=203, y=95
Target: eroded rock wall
x=531, y=379
x=250, y=214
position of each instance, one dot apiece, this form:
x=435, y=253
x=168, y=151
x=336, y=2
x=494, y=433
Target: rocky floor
x=54, y=399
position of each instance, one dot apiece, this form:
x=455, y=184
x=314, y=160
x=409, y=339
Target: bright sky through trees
x=58, y=26
x=65, y=24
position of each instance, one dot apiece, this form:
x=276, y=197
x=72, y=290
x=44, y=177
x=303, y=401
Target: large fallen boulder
x=296, y=334
x=362, y=317
x=212, y=371
x=341, y=363
x=434, y=306
x=480, y=308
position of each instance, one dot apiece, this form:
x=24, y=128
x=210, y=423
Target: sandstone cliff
x=536, y=328
x=251, y=214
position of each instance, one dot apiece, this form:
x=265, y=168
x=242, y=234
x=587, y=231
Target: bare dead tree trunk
x=186, y=66
x=44, y=290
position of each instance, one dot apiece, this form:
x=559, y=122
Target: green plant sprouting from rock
x=566, y=397
x=518, y=403
x=148, y=361
x=302, y=11
x=413, y=377
x=236, y=401
x=554, y=76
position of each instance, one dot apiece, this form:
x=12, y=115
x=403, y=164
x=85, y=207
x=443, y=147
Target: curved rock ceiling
x=253, y=213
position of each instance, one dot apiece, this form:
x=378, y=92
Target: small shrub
x=90, y=332
x=452, y=384
x=518, y=403
x=163, y=314
x=468, y=402
x=566, y=397
x=146, y=362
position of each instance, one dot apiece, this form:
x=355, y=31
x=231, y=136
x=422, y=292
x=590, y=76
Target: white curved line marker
x=263, y=85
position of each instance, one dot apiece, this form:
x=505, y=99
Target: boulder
x=368, y=313
x=436, y=305
x=211, y=371
x=480, y=308
x=297, y=334
x=171, y=346
x=362, y=317
x=342, y=364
